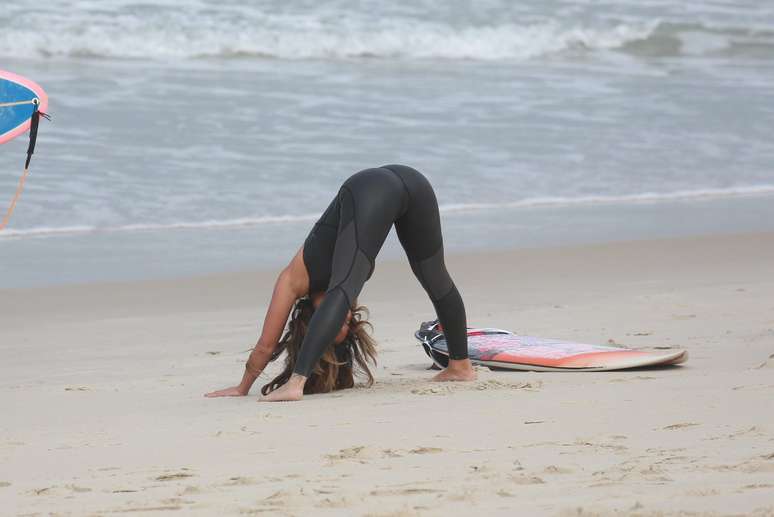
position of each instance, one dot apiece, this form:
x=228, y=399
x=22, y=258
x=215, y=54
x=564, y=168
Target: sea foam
x=178, y=36
x=534, y=202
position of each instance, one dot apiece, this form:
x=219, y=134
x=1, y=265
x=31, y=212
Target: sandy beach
x=603, y=174
x=101, y=395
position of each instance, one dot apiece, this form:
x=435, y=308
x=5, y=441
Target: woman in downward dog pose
x=326, y=334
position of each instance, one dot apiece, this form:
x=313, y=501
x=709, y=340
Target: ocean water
x=196, y=136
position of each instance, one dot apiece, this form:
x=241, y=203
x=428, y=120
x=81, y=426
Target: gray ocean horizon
x=208, y=138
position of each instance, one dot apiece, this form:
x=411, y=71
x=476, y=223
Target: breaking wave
x=186, y=37
x=178, y=36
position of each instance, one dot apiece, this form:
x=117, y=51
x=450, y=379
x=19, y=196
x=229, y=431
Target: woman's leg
x=419, y=231
x=369, y=202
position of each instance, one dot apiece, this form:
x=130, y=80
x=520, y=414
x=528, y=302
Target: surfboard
x=18, y=96
x=22, y=103
x=504, y=350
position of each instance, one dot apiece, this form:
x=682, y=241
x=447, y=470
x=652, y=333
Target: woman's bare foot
x=458, y=370
x=290, y=391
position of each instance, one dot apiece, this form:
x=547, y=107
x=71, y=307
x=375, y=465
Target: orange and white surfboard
x=501, y=349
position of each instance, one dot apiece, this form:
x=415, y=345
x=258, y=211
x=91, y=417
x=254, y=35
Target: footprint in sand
x=413, y=512
x=629, y=379
x=492, y=384
x=340, y=502
x=358, y=453
x=363, y=454
x=553, y=469
x=756, y=486
x=749, y=431
x=392, y=453
x=399, y=453
x=498, y=385
x=524, y=479
x=755, y=467
x=433, y=390
x=405, y=491
x=702, y=492
x=78, y=489
x=751, y=466
x=174, y=476
x=769, y=363
x=682, y=425
x=652, y=473
x=176, y=500
x=144, y=509
x=425, y=450
x=279, y=498
x=59, y=490
x=240, y=481
x=594, y=445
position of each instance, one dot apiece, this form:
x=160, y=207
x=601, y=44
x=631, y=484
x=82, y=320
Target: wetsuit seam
x=433, y=254
x=447, y=293
x=309, y=270
x=357, y=238
x=371, y=261
x=405, y=188
x=419, y=264
x=354, y=215
x=357, y=245
x=344, y=291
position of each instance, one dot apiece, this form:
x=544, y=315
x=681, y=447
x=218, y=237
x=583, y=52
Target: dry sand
x=102, y=408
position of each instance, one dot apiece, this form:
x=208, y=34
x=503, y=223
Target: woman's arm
x=292, y=283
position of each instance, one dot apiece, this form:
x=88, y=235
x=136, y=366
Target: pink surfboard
x=502, y=349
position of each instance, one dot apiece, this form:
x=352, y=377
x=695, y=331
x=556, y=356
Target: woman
x=338, y=257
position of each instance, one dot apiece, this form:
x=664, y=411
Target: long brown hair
x=340, y=363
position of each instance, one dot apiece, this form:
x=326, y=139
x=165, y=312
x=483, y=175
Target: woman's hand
x=234, y=391
x=292, y=283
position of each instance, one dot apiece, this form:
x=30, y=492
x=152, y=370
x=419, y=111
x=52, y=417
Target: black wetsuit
x=340, y=250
